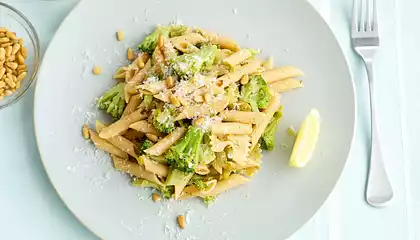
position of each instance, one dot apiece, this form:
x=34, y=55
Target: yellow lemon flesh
x=306, y=140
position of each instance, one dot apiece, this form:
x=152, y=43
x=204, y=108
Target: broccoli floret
x=209, y=200
x=267, y=138
x=232, y=92
x=256, y=93
x=163, y=119
x=190, y=64
x=145, y=144
x=206, y=155
x=150, y=41
x=200, y=184
x=147, y=102
x=113, y=101
x=166, y=191
x=184, y=156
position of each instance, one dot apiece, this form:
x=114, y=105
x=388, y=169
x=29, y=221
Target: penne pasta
x=231, y=128
x=268, y=65
x=168, y=50
x=198, y=110
x=134, y=169
x=242, y=117
x=273, y=106
x=139, y=77
x=153, y=88
x=223, y=42
x=185, y=43
x=219, y=162
x=237, y=57
x=165, y=143
x=285, y=85
x=159, y=169
x=280, y=73
x=106, y=146
x=121, y=125
x=119, y=141
x=235, y=76
x=129, y=90
x=132, y=105
x=132, y=134
x=145, y=127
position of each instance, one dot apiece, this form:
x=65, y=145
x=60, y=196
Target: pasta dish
x=192, y=112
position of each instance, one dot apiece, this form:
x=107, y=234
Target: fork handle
x=379, y=190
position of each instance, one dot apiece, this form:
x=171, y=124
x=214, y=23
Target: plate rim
x=311, y=215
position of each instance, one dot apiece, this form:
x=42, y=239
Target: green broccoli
x=267, y=138
x=256, y=93
x=113, y=101
x=190, y=64
x=232, y=92
x=200, y=184
x=166, y=191
x=145, y=144
x=185, y=154
x=206, y=155
x=209, y=200
x=147, y=102
x=150, y=41
x=163, y=120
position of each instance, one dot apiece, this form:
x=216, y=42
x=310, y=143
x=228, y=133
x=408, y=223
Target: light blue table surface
x=31, y=209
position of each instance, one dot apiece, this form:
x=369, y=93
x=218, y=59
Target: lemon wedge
x=306, y=140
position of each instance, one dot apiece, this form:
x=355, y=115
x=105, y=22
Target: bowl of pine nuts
x=19, y=55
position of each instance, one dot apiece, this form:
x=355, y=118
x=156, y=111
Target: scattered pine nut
x=207, y=98
x=120, y=35
x=130, y=54
x=181, y=221
x=174, y=100
x=85, y=131
x=245, y=79
x=97, y=70
x=155, y=197
x=170, y=82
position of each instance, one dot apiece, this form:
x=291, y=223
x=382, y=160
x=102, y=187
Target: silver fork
x=365, y=39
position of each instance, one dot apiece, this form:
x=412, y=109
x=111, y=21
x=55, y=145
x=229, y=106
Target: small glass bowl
x=16, y=22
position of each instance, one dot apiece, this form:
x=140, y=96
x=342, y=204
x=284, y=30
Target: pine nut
x=2, y=91
x=160, y=41
x=24, y=52
x=170, y=82
x=12, y=65
x=17, y=85
x=120, y=35
x=8, y=51
x=20, y=58
x=199, y=98
x=199, y=121
x=15, y=49
x=97, y=70
x=174, y=100
x=21, y=76
x=21, y=67
x=2, y=84
x=8, y=93
x=245, y=79
x=181, y=221
x=155, y=197
x=85, y=131
x=130, y=54
x=21, y=41
x=10, y=83
x=3, y=29
x=6, y=44
x=11, y=35
x=4, y=40
x=140, y=63
x=2, y=71
x=2, y=54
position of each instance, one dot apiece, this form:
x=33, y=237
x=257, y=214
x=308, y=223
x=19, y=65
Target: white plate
x=279, y=199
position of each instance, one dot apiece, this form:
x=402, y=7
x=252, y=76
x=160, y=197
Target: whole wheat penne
x=121, y=125
x=132, y=105
x=134, y=169
x=242, y=117
x=235, y=76
x=231, y=128
x=145, y=127
x=106, y=146
x=285, y=85
x=280, y=73
x=154, y=167
x=165, y=143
